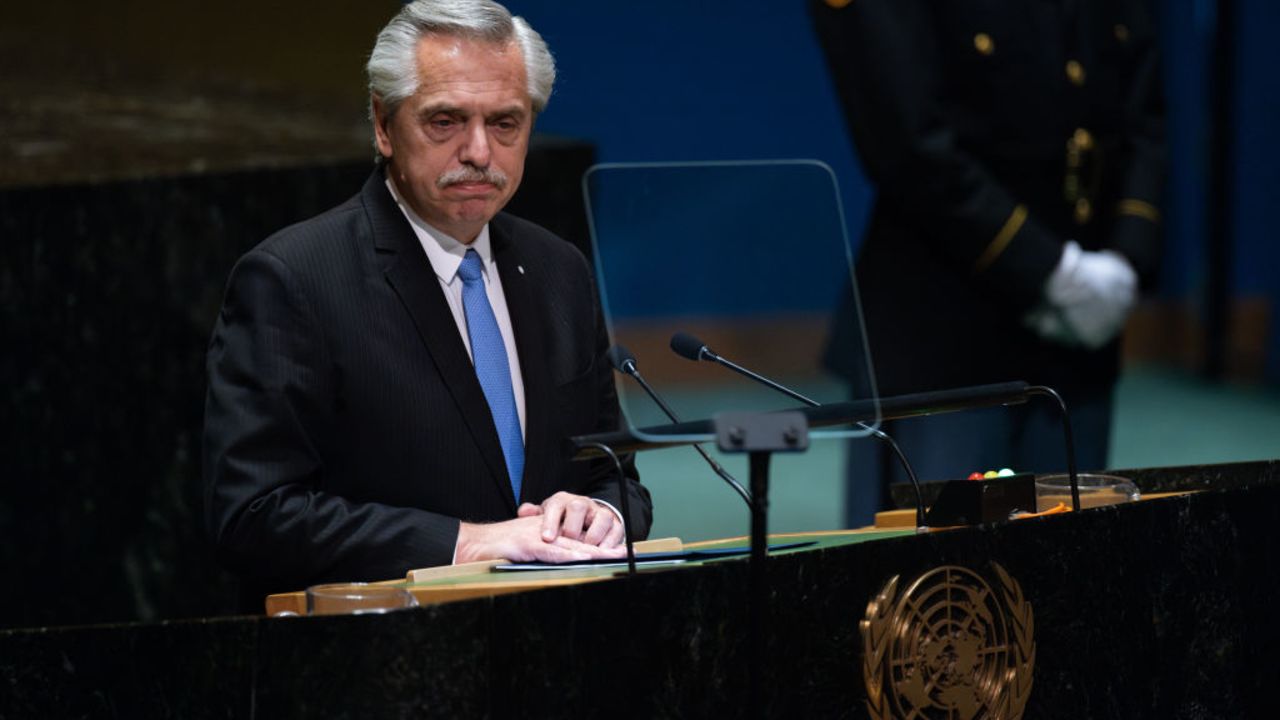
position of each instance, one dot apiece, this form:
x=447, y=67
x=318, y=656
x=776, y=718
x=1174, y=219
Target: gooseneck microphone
x=691, y=348
x=624, y=362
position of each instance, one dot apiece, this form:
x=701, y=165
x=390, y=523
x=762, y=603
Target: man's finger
x=591, y=550
x=528, y=510
x=615, y=537
x=601, y=525
x=575, y=518
x=554, y=553
x=566, y=550
x=552, y=513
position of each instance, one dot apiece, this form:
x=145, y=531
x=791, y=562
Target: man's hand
x=522, y=540
x=565, y=515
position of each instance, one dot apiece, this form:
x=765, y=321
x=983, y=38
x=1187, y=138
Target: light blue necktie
x=489, y=354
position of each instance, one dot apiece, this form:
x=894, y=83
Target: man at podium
x=391, y=383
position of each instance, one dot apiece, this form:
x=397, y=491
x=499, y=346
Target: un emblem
x=950, y=646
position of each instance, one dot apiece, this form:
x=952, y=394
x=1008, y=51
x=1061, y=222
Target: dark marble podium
x=1158, y=609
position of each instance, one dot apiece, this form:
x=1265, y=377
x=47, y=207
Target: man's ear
x=380, y=121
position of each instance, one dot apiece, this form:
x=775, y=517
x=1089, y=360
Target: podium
x=1162, y=608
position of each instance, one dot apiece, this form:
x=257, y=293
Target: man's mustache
x=465, y=174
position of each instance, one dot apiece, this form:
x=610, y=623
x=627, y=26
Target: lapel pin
x=520, y=268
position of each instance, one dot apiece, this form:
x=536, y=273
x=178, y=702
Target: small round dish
x=357, y=599
x=1095, y=490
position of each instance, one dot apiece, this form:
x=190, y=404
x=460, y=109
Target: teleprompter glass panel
x=750, y=260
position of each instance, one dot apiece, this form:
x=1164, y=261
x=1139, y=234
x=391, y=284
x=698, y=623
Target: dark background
x=145, y=144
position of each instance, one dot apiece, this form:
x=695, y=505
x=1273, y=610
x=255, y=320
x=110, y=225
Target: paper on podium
x=651, y=559
x=657, y=545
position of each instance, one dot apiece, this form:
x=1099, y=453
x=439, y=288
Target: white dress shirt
x=445, y=254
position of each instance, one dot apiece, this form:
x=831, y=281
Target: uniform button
x=1083, y=139
x=1122, y=32
x=984, y=44
x=1084, y=211
x=1075, y=72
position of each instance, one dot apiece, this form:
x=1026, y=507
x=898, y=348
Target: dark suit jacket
x=346, y=433
x=994, y=131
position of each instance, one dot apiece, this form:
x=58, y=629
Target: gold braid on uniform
x=1138, y=208
x=1002, y=239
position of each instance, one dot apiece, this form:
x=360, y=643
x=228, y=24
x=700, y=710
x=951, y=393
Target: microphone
x=691, y=348
x=624, y=362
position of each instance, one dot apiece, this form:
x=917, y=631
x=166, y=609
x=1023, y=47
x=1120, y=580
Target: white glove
x=1087, y=298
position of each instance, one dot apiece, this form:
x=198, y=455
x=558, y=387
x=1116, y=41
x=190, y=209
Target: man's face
x=456, y=147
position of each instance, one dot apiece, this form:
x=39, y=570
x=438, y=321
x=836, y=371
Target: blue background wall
x=674, y=80
x=1257, y=264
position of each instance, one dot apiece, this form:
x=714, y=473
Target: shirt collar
x=444, y=251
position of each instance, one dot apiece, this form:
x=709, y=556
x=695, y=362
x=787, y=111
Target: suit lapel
x=411, y=276
x=528, y=321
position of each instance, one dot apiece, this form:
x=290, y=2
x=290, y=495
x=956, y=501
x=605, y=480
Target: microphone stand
x=759, y=435
x=705, y=353
x=1049, y=392
x=628, y=366
x=890, y=408
x=624, y=492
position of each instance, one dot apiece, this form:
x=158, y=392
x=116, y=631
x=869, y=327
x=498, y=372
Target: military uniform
x=995, y=131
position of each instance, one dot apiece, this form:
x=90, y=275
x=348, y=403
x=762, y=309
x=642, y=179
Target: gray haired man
x=391, y=383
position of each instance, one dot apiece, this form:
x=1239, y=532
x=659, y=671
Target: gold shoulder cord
x=1002, y=239
x=1138, y=208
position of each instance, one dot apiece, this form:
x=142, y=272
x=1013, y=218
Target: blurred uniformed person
x=1017, y=150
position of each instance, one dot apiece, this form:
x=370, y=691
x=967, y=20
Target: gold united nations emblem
x=949, y=646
